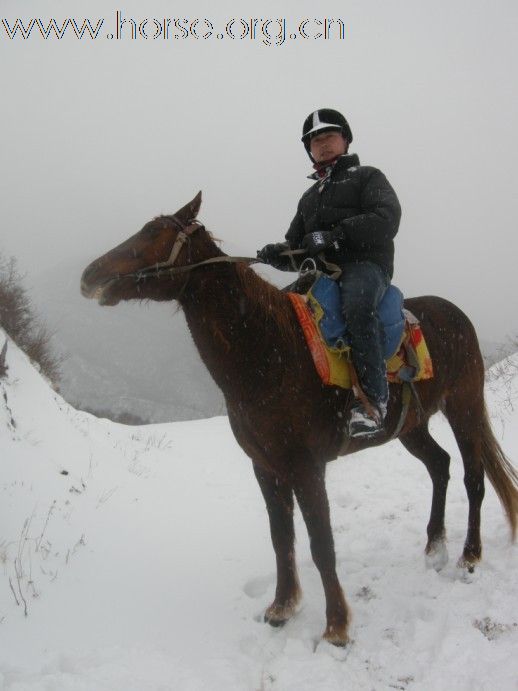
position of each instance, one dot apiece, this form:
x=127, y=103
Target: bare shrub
x=19, y=320
x=3, y=366
x=502, y=378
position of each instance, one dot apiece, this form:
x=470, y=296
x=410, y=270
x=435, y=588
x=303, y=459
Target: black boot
x=362, y=424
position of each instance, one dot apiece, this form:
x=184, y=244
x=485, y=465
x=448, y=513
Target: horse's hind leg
x=419, y=442
x=466, y=423
x=278, y=496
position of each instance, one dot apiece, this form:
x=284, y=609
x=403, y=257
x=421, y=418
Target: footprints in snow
x=492, y=629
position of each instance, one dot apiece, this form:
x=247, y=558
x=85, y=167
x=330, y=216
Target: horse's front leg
x=278, y=496
x=310, y=490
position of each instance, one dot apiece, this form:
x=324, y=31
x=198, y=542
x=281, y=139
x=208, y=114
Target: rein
x=168, y=268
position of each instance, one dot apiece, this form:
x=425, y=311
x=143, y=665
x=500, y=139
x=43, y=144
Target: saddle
x=316, y=301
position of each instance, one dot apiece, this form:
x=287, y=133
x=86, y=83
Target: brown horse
x=284, y=418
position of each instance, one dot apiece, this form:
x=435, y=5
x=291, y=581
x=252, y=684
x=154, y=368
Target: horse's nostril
x=88, y=280
x=85, y=278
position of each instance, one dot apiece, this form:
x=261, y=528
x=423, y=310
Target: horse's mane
x=272, y=305
x=268, y=303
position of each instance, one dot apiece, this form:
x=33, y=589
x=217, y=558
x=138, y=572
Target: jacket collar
x=342, y=163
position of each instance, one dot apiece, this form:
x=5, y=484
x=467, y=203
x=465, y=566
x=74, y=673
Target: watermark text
x=120, y=27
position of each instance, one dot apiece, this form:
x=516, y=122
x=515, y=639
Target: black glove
x=270, y=254
x=317, y=242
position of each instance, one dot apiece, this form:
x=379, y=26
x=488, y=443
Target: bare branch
x=3, y=366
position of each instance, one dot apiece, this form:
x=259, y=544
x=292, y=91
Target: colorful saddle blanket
x=320, y=317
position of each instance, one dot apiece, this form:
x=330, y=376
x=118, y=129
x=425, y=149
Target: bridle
x=168, y=268
x=183, y=235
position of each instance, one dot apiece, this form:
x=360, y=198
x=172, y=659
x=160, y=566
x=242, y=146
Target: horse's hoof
x=436, y=555
x=467, y=563
x=338, y=638
x=278, y=615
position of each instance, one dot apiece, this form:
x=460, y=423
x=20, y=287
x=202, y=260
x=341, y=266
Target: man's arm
x=379, y=219
x=295, y=232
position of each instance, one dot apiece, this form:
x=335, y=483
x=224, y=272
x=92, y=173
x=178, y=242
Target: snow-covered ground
x=139, y=559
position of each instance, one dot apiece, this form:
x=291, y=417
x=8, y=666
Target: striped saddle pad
x=410, y=360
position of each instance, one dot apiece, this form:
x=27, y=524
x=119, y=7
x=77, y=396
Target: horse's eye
x=153, y=232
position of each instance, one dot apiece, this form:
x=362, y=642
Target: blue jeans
x=362, y=286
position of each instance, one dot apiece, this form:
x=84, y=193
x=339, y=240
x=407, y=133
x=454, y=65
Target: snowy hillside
x=142, y=558
x=137, y=359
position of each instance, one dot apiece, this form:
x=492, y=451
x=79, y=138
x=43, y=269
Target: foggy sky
x=100, y=136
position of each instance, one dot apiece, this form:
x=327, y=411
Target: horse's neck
x=228, y=328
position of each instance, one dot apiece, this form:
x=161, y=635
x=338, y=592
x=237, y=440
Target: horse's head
x=135, y=269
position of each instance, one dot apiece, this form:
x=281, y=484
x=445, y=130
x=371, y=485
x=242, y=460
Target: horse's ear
x=190, y=211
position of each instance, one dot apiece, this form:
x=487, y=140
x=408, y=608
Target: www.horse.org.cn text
x=269, y=32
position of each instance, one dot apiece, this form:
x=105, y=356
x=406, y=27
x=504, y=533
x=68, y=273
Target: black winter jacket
x=360, y=208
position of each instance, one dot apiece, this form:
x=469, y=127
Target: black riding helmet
x=323, y=120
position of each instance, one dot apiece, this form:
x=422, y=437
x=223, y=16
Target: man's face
x=327, y=145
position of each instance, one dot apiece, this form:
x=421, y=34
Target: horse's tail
x=501, y=473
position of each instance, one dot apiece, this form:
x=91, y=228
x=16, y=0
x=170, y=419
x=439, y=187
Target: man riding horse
x=350, y=217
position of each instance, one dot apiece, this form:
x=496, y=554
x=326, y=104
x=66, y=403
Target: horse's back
x=449, y=333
